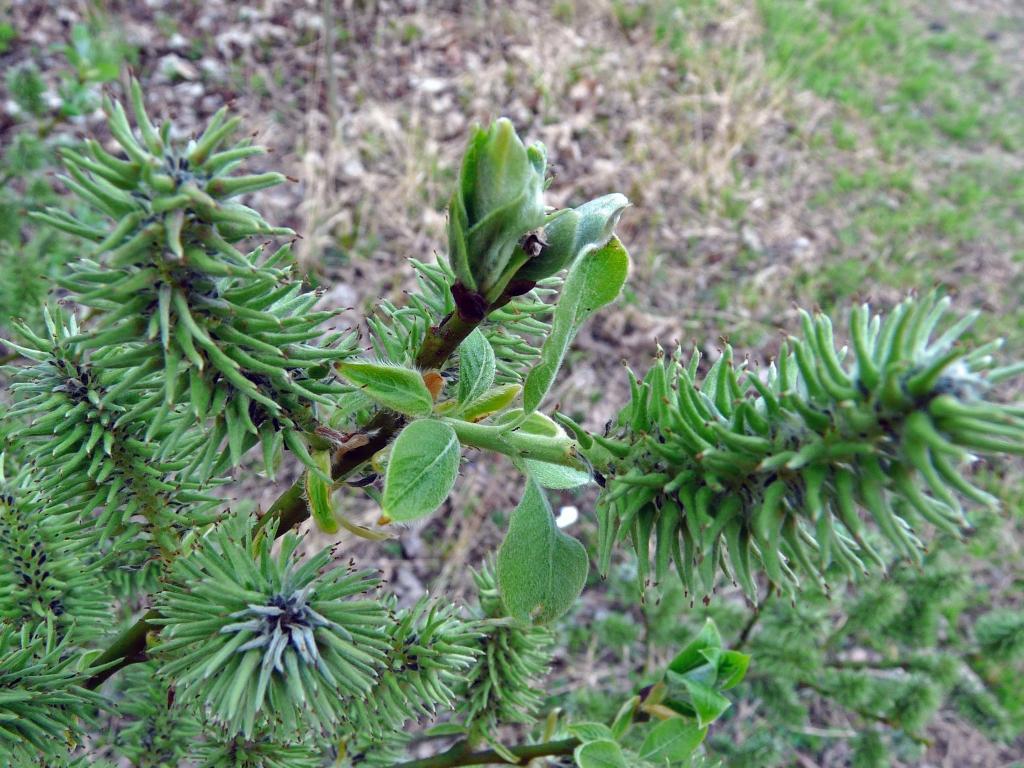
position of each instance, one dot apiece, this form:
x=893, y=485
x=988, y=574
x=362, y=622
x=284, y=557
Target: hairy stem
x=462, y=754
x=517, y=443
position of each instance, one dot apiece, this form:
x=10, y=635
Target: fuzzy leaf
x=541, y=571
x=492, y=401
x=572, y=234
x=422, y=470
x=591, y=732
x=394, y=387
x=671, y=741
x=600, y=754
x=592, y=283
x=476, y=367
x=624, y=717
x=555, y=476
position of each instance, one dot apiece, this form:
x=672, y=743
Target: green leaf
x=600, y=754
x=555, y=476
x=498, y=199
x=476, y=367
x=572, y=234
x=672, y=740
x=394, y=387
x=547, y=475
x=592, y=283
x=624, y=717
x=691, y=657
x=708, y=703
x=730, y=666
x=591, y=732
x=422, y=470
x=492, y=401
x=318, y=494
x=504, y=752
x=541, y=571
x=533, y=423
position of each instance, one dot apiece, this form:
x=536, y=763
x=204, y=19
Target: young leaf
x=708, y=703
x=492, y=401
x=555, y=476
x=541, y=571
x=318, y=494
x=476, y=367
x=730, y=666
x=671, y=741
x=691, y=656
x=394, y=387
x=604, y=753
x=592, y=283
x=422, y=470
x=624, y=717
x=572, y=234
x=591, y=732
x=534, y=423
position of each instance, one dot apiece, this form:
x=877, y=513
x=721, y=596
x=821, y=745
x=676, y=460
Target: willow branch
x=290, y=507
x=460, y=754
x=755, y=615
x=127, y=648
x=441, y=341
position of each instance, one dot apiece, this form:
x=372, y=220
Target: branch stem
x=461, y=754
x=127, y=648
x=517, y=443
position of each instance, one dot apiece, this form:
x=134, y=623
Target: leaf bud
x=498, y=200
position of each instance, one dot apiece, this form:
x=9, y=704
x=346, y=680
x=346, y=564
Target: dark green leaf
x=691, y=657
x=731, y=666
x=708, y=703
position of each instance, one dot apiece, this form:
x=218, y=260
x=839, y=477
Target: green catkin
x=512, y=658
x=93, y=466
x=883, y=432
x=284, y=631
x=173, y=262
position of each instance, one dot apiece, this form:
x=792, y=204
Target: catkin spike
x=809, y=446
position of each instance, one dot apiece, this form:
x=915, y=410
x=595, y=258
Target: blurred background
x=777, y=153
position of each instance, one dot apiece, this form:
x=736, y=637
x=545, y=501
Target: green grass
x=917, y=85
x=919, y=149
